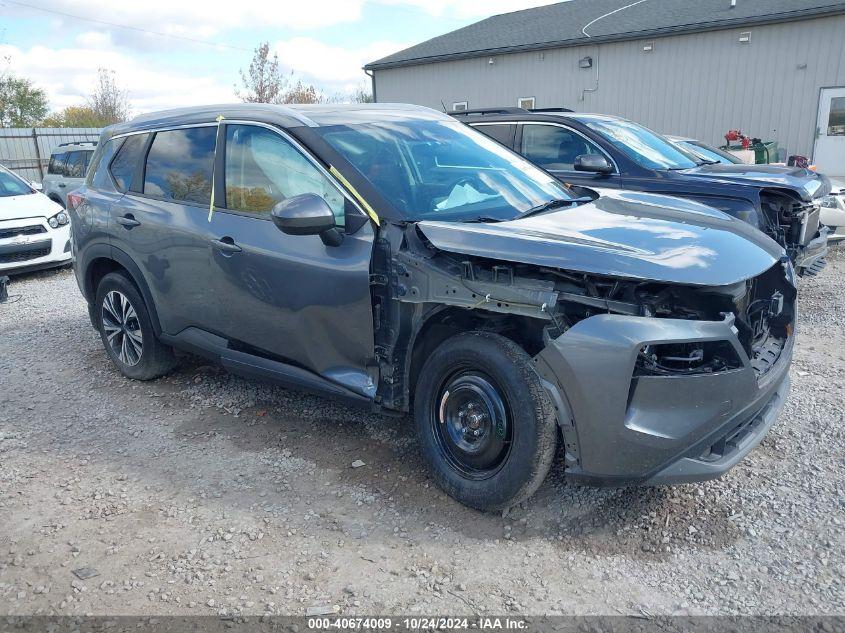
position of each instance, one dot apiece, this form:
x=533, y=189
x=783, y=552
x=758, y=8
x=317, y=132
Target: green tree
x=22, y=104
x=76, y=116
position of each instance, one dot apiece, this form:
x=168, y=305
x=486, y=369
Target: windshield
x=11, y=185
x=709, y=153
x=443, y=170
x=642, y=145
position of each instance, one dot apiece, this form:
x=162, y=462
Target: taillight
x=74, y=200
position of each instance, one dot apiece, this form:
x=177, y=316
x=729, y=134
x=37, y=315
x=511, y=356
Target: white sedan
x=833, y=211
x=34, y=230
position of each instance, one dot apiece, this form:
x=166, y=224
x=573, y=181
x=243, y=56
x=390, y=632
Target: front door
x=554, y=147
x=829, y=154
x=291, y=296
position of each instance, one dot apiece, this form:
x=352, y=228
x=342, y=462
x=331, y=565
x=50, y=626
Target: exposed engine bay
x=534, y=304
x=791, y=223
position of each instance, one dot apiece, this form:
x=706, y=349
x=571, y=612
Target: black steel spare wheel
x=122, y=328
x=472, y=424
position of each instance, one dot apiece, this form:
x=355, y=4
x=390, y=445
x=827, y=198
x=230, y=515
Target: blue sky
x=168, y=53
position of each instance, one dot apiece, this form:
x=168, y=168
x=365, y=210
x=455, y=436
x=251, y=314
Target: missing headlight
x=686, y=359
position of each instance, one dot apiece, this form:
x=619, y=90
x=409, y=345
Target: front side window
x=11, y=185
x=554, y=147
x=126, y=162
x=263, y=168
x=57, y=164
x=643, y=146
x=443, y=170
x=180, y=164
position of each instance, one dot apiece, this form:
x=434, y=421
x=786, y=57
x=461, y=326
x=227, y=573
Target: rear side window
x=180, y=164
x=57, y=164
x=124, y=164
x=76, y=164
x=262, y=169
x=501, y=133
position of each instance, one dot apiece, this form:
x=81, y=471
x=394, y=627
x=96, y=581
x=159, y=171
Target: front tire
x=485, y=424
x=127, y=332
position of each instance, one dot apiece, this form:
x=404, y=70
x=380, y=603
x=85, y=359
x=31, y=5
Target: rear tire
x=486, y=426
x=127, y=332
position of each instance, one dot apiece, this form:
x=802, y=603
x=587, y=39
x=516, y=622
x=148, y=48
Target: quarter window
x=263, y=168
x=553, y=147
x=180, y=164
x=57, y=164
x=126, y=162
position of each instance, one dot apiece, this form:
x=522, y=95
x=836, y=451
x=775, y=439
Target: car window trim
x=221, y=149
x=615, y=172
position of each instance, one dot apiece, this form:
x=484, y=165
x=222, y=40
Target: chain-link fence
x=26, y=150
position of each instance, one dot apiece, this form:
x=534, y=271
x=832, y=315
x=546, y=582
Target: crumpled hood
x=808, y=184
x=622, y=233
x=33, y=205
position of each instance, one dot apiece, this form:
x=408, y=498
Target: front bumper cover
x=655, y=429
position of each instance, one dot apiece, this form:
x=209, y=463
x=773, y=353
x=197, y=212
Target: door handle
x=226, y=245
x=62, y=185
x=127, y=221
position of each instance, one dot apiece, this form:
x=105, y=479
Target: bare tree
x=109, y=102
x=302, y=93
x=263, y=82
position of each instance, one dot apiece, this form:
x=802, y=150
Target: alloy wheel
x=122, y=328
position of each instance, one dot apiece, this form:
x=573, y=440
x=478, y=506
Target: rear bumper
x=620, y=429
x=31, y=244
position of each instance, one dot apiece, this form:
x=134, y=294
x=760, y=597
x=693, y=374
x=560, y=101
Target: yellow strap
x=211, y=202
x=334, y=172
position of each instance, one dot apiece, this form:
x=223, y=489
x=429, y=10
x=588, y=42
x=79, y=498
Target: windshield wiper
x=483, y=218
x=553, y=204
x=707, y=162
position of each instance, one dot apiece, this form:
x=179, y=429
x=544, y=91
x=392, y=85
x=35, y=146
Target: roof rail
x=94, y=143
x=488, y=111
x=551, y=110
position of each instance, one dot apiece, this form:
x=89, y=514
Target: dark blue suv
x=391, y=256
x=598, y=151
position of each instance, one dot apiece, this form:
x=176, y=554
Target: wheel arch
x=115, y=260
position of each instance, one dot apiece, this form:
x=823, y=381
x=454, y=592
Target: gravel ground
x=202, y=493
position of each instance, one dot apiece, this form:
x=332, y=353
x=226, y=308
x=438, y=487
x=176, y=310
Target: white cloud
x=332, y=68
x=200, y=18
x=69, y=75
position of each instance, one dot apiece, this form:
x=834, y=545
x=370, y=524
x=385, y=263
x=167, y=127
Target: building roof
x=565, y=24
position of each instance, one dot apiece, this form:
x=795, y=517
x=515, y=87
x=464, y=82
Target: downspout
x=372, y=75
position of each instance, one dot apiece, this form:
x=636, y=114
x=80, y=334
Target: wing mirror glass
x=595, y=163
x=307, y=214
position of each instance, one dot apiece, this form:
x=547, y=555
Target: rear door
x=291, y=296
x=554, y=147
x=162, y=223
x=74, y=173
x=55, y=175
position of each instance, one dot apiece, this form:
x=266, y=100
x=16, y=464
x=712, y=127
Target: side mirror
x=307, y=214
x=595, y=163
x=36, y=185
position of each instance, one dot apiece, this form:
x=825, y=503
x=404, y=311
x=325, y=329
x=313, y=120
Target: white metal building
x=773, y=68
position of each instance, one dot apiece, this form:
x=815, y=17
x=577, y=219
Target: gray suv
x=393, y=257
x=66, y=170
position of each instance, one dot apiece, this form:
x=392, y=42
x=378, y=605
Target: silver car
x=67, y=168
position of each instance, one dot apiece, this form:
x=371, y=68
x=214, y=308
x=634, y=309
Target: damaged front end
x=652, y=381
x=795, y=224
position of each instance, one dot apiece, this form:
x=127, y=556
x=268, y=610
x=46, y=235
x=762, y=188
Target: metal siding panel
x=700, y=84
